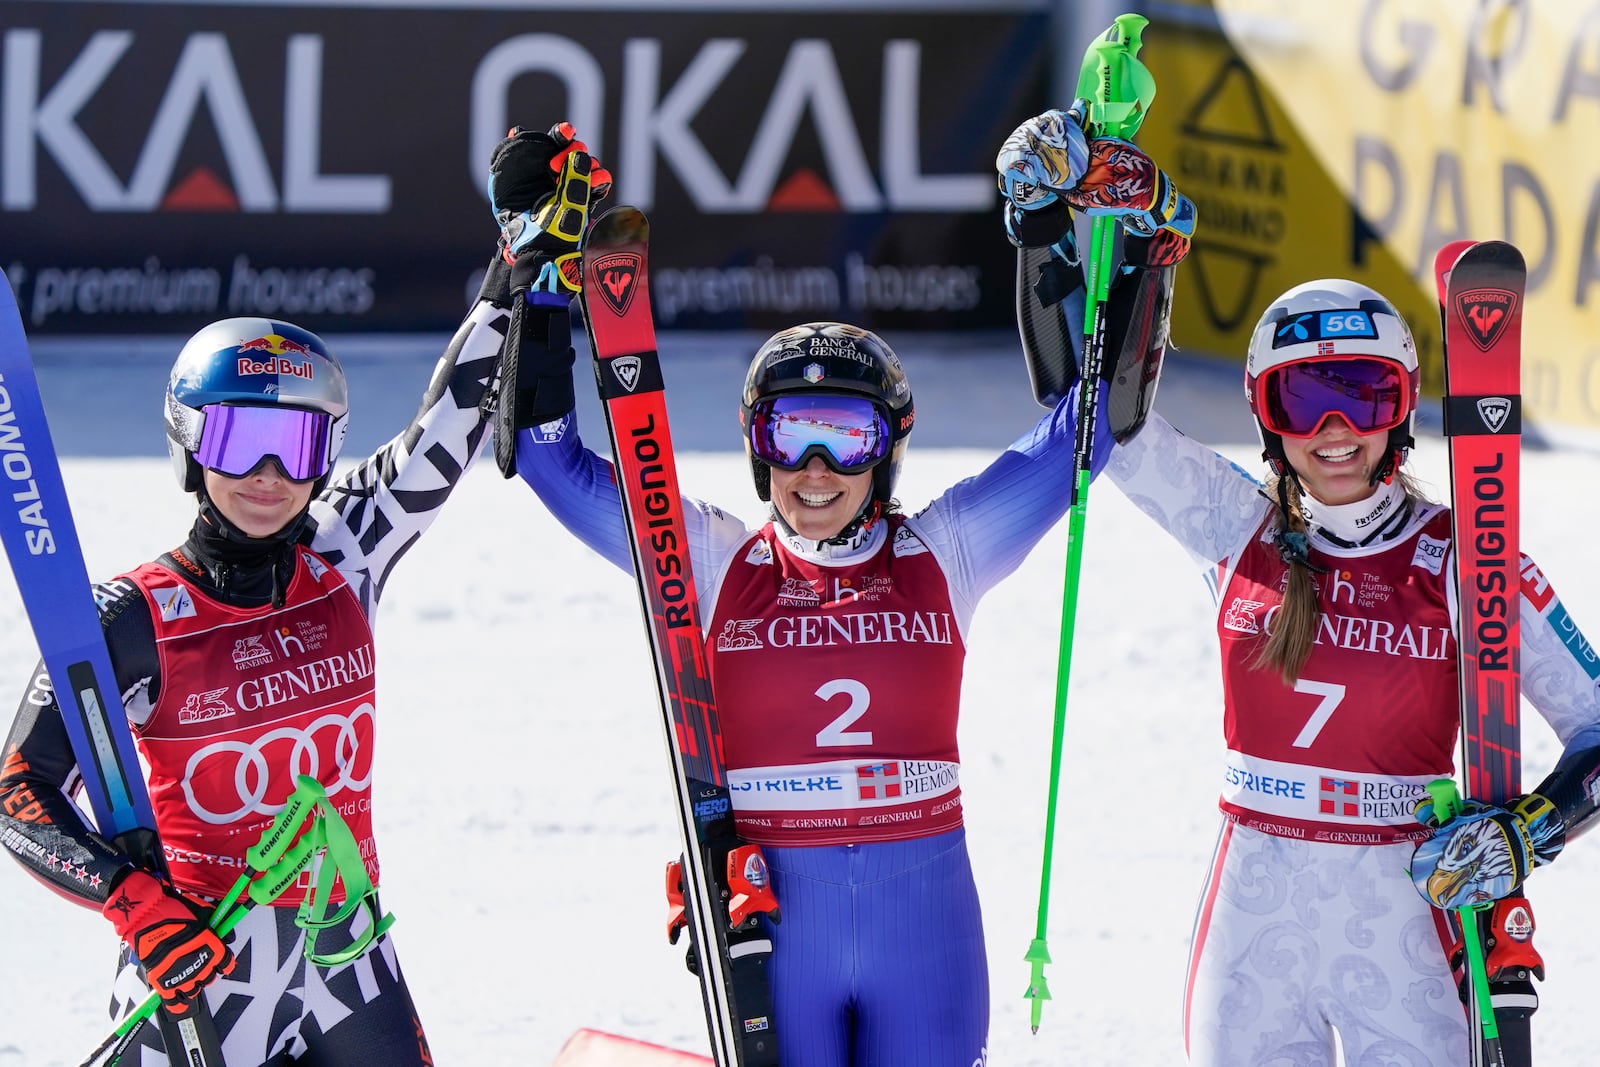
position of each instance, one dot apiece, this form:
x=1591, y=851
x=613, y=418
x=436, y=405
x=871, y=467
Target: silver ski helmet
x=831, y=358
x=251, y=362
x=1326, y=320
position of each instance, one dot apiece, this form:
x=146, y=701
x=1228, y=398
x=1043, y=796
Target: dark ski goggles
x=1370, y=394
x=850, y=433
x=237, y=440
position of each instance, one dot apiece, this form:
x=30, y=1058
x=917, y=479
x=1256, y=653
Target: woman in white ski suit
x=1336, y=621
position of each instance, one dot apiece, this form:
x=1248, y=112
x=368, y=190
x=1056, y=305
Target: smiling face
x=1336, y=465
x=262, y=502
x=816, y=500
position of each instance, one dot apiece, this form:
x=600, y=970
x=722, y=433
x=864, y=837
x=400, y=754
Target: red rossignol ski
x=723, y=882
x=1481, y=289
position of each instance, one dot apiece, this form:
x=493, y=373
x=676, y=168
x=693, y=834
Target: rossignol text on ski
x=723, y=882
x=1481, y=287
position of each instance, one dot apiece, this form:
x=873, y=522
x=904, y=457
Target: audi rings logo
x=331, y=749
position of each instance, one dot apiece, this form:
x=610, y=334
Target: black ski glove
x=541, y=190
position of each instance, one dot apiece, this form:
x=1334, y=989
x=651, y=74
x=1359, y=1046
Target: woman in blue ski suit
x=835, y=629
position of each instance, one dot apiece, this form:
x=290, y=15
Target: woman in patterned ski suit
x=245, y=657
x=1336, y=618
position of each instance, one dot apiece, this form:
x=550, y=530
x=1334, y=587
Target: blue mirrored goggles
x=850, y=433
x=237, y=440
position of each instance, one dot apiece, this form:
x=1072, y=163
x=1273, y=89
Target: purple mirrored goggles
x=850, y=433
x=236, y=440
x=1371, y=394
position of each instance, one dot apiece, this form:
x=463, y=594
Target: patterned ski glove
x=170, y=932
x=1049, y=165
x=541, y=189
x=1486, y=851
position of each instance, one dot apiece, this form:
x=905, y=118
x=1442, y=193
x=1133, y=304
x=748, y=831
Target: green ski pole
x=1119, y=90
x=1447, y=805
x=274, y=862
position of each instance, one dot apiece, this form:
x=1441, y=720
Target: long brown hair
x=1288, y=643
x=1294, y=631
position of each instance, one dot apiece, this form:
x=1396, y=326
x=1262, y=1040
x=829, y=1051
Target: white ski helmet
x=1331, y=319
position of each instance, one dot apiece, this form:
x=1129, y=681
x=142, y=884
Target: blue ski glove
x=1049, y=165
x=1485, y=852
x=1042, y=158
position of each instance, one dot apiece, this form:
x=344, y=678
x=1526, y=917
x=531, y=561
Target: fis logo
x=174, y=603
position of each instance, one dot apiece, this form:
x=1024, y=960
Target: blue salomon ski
x=41, y=542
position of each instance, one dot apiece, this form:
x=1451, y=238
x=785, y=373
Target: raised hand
x=541, y=189
x=1049, y=164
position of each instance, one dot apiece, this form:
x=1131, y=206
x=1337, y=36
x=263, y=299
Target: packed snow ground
x=522, y=799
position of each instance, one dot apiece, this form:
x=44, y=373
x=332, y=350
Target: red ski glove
x=169, y=931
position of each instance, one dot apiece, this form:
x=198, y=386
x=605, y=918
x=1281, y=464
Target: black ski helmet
x=831, y=357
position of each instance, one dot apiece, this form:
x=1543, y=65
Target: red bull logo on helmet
x=278, y=349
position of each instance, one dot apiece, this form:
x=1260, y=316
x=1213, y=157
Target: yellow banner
x=1334, y=138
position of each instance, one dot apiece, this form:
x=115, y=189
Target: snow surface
x=522, y=801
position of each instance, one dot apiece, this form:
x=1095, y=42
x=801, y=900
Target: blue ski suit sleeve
x=576, y=486
x=984, y=526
